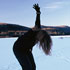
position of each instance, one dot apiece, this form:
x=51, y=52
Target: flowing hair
x=45, y=41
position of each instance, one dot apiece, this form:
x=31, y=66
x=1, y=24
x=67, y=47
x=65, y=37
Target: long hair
x=45, y=41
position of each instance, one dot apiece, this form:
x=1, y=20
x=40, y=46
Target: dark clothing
x=26, y=41
x=22, y=50
x=26, y=60
x=24, y=44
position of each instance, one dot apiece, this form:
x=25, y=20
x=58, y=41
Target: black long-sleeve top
x=26, y=42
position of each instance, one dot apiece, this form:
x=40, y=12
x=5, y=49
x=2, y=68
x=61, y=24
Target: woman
x=24, y=44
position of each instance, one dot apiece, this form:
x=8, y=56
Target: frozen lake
x=59, y=59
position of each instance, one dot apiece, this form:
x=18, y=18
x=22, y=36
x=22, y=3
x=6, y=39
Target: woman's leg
x=23, y=60
x=31, y=59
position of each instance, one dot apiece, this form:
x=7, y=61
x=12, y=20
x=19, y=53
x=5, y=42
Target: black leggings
x=26, y=60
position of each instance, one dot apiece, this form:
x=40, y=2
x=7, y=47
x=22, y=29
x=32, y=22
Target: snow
x=58, y=60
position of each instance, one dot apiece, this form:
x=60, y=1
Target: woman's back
x=26, y=41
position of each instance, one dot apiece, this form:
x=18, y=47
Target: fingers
x=36, y=6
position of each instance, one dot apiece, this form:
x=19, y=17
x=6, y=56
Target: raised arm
x=37, y=22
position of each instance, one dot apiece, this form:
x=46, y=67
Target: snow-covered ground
x=58, y=60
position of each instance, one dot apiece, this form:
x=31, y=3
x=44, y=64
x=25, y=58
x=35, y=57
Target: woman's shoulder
x=29, y=33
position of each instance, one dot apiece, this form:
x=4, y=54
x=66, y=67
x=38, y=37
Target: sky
x=53, y=13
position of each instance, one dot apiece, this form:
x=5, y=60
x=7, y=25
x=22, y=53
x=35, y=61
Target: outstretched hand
x=36, y=7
